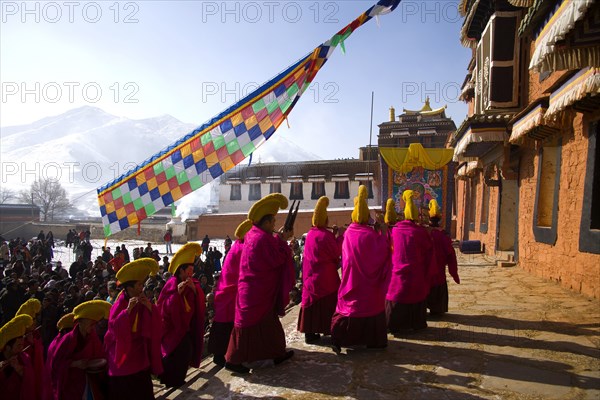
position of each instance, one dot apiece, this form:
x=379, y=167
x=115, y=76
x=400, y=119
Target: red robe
x=68, y=383
x=365, y=272
x=266, y=277
x=227, y=287
x=35, y=351
x=322, y=254
x=444, y=254
x=411, y=259
x=15, y=387
x=182, y=314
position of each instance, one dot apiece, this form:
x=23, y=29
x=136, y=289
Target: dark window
x=369, y=185
x=545, y=213
x=236, y=192
x=318, y=190
x=485, y=208
x=473, y=203
x=341, y=190
x=589, y=231
x=254, y=193
x=296, y=191
x=275, y=188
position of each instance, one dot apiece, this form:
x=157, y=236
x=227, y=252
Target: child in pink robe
x=224, y=304
x=69, y=359
x=17, y=375
x=132, y=341
x=182, y=307
x=444, y=254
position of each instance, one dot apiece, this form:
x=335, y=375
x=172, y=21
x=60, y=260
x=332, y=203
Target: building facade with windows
x=304, y=181
x=528, y=180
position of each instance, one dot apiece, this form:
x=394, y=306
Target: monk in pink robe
x=17, y=375
x=359, y=317
x=74, y=353
x=266, y=279
x=320, y=278
x=406, y=297
x=443, y=255
x=225, y=298
x=132, y=341
x=182, y=307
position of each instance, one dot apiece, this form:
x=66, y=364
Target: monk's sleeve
x=156, y=366
x=451, y=260
x=198, y=329
x=121, y=326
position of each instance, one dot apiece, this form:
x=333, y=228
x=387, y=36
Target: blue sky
x=193, y=59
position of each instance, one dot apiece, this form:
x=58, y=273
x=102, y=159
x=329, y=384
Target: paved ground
x=508, y=335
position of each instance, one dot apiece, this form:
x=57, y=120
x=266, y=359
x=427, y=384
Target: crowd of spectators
x=27, y=270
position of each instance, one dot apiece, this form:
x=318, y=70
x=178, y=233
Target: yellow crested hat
x=268, y=205
x=93, y=309
x=410, y=210
x=360, y=214
x=319, y=218
x=66, y=321
x=14, y=328
x=137, y=270
x=390, y=212
x=243, y=228
x=31, y=307
x=185, y=255
x=434, y=209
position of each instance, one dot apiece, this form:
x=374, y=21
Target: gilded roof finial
x=426, y=107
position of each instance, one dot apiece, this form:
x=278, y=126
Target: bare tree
x=6, y=195
x=47, y=194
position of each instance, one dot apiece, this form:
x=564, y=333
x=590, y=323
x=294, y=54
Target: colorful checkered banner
x=219, y=144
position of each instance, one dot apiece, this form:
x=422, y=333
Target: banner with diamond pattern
x=219, y=144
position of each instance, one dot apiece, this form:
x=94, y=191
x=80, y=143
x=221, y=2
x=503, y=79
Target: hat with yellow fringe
x=31, y=307
x=66, y=321
x=410, y=210
x=243, y=228
x=391, y=217
x=319, y=218
x=185, y=255
x=268, y=205
x=360, y=214
x=93, y=309
x=14, y=328
x=137, y=270
x=434, y=209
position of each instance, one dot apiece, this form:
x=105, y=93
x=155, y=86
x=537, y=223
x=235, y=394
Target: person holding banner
x=266, y=279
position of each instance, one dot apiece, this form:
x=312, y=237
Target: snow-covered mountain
x=86, y=147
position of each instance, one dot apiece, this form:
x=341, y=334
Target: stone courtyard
x=508, y=335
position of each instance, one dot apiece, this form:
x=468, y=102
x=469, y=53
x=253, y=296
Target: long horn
x=295, y=214
x=288, y=221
